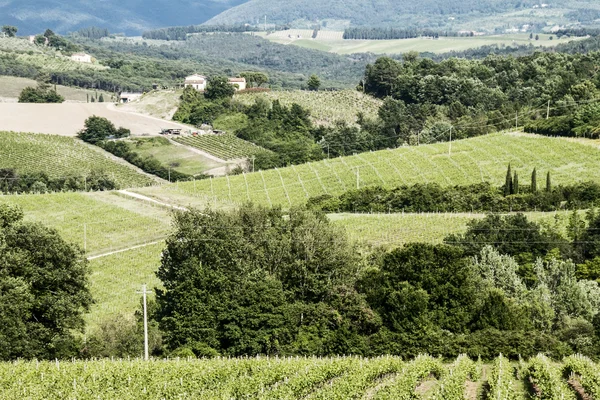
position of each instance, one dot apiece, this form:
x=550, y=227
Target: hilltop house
x=196, y=81
x=127, y=97
x=82, y=58
x=239, y=83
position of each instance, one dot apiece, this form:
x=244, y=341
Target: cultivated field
x=393, y=230
x=60, y=156
x=473, y=160
x=99, y=223
x=68, y=118
x=333, y=42
x=11, y=87
x=325, y=107
x=226, y=147
x=340, y=378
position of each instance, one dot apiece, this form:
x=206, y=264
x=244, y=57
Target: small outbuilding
x=239, y=83
x=126, y=97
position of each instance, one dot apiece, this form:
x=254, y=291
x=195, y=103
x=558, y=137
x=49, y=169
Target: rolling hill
x=422, y=14
x=128, y=16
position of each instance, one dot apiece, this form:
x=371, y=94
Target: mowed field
x=480, y=159
x=60, y=156
x=68, y=118
x=331, y=41
x=11, y=87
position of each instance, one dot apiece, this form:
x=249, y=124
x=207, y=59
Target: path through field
x=68, y=118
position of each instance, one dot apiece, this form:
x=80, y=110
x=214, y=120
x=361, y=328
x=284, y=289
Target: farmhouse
x=196, y=81
x=127, y=97
x=239, y=83
x=82, y=58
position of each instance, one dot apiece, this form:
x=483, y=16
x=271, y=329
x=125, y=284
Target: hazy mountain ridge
x=127, y=16
x=425, y=13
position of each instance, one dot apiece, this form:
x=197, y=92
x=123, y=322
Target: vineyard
x=44, y=58
x=378, y=378
x=226, y=147
x=325, y=107
x=60, y=156
x=473, y=160
x=98, y=223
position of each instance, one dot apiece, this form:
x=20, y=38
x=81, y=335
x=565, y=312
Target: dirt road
x=68, y=118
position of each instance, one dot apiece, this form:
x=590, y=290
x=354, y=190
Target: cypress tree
x=548, y=183
x=534, y=181
x=508, y=185
x=515, y=188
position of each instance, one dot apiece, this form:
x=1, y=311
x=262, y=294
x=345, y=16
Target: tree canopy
x=43, y=290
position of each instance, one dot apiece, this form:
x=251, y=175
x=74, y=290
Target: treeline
x=93, y=32
x=581, y=121
x=396, y=33
x=182, y=32
x=293, y=284
x=424, y=100
x=481, y=197
x=12, y=182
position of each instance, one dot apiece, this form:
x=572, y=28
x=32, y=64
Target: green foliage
x=314, y=83
x=44, y=290
x=254, y=281
x=219, y=88
x=41, y=94
x=41, y=182
x=255, y=79
x=9, y=30
x=98, y=129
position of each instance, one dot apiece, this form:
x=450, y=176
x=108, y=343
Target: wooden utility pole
x=548, y=112
x=145, y=292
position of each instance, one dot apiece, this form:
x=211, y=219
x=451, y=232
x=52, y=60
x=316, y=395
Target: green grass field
x=473, y=160
x=61, y=156
x=115, y=279
x=332, y=42
x=325, y=107
x=11, y=87
x=179, y=158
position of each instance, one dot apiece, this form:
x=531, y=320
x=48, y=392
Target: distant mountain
x=127, y=16
x=410, y=13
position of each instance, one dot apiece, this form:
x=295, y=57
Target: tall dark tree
x=534, y=186
x=508, y=182
x=9, y=30
x=515, y=188
x=43, y=290
x=548, y=183
x=314, y=83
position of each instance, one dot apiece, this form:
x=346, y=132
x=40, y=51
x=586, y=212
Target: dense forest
x=396, y=33
x=256, y=281
x=182, y=32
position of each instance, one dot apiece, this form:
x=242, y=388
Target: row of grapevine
x=545, y=379
x=500, y=380
x=60, y=156
x=278, y=378
x=471, y=161
x=226, y=147
x=403, y=386
x=586, y=372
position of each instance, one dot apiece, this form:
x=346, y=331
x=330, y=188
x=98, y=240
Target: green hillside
x=479, y=159
x=325, y=107
x=423, y=14
x=59, y=156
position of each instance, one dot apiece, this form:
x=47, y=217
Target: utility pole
x=145, y=292
x=169, y=174
x=548, y=112
x=357, y=177
x=253, y=158
x=517, y=121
